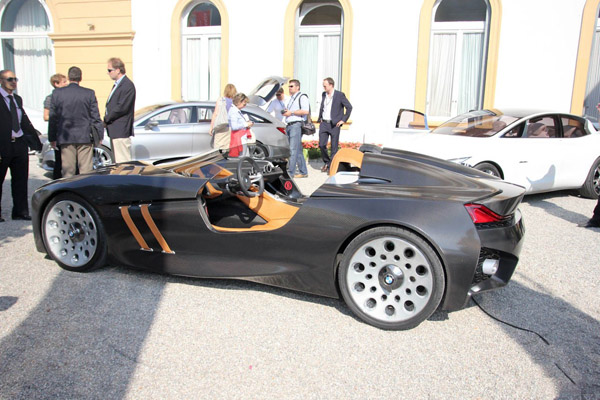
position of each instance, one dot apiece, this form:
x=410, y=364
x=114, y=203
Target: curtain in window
x=192, y=82
x=441, y=74
x=470, y=74
x=331, y=58
x=306, y=66
x=592, y=90
x=214, y=68
x=30, y=58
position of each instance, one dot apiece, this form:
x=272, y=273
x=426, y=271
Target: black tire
x=591, y=186
x=103, y=156
x=73, y=233
x=488, y=169
x=259, y=152
x=391, y=278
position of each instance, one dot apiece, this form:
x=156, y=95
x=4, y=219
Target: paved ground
x=118, y=333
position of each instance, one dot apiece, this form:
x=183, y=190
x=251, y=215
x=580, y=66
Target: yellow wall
x=586, y=38
x=86, y=34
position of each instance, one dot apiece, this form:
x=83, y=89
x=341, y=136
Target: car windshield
x=142, y=112
x=482, y=123
x=203, y=165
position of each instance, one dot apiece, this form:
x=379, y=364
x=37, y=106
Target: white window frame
x=320, y=31
x=204, y=34
x=31, y=35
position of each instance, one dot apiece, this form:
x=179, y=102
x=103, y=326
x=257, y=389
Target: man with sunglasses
x=14, y=124
x=119, y=110
x=295, y=112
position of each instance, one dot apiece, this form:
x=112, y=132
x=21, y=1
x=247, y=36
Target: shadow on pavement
x=572, y=357
x=541, y=201
x=84, y=338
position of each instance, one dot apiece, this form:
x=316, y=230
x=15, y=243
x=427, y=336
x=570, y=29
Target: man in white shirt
x=277, y=105
x=335, y=111
x=296, y=110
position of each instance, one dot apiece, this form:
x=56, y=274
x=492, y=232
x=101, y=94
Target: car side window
x=173, y=116
x=541, y=128
x=205, y=114
x=515, y=132
x=572, y=128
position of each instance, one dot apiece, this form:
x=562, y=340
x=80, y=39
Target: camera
x=284, y=111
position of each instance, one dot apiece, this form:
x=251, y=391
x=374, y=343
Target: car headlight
x=461, y=160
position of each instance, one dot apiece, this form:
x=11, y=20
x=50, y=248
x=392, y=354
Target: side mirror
x=150, y=125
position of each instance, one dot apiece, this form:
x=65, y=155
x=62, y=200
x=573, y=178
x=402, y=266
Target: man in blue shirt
x=295, y=112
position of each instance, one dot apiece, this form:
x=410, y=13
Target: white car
x=541, y=151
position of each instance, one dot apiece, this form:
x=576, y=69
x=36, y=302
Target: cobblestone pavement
x=120, y=333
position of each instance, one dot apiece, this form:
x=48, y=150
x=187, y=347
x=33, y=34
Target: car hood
x=266, y=90
x=439, y=145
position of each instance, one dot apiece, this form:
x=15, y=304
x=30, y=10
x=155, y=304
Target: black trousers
x=57, y=171
x=596, y=216
x=18, y=163
x=326, y=129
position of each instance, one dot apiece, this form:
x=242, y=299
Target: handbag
x=221, y=120
x=308, y=127
x=250, y=137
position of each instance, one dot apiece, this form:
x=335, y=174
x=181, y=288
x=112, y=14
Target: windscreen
x=483, y=123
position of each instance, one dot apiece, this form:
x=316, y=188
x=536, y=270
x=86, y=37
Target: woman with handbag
x=240, y=127
x=219, y=124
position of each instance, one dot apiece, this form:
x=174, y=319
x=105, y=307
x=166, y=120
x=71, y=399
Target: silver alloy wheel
x=390, y=279
x=102, y=157
x=71, y=233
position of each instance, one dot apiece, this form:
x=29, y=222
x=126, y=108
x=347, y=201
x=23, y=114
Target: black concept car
x=396, y=234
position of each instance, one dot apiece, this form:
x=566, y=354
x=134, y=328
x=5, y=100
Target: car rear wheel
x=73, y=233
x=103, y=156
x=259, y=152
x=488, y=169
x=591, y=187
x=391, y=278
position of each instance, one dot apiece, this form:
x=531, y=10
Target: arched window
x=201, y=52
x=318, y=52
x=26, y=48
x=457, y=60
x=592, y=88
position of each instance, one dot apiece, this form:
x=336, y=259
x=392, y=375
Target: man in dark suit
x=120, y=107
x=14, y=125
x=73, y=113
x=334, y=112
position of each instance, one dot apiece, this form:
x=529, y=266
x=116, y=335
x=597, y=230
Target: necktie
x=13, y=113
x=111, y=93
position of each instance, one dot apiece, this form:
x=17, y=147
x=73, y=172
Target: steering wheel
x=251, y=177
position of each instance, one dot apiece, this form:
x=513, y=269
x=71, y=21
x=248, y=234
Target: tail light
x=282, y=130
x=482, y=215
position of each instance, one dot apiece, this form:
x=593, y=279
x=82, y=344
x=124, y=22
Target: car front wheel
x=73, y=233
x=391, y=278
x=488, y=169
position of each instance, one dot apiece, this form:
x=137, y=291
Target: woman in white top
x=239, y=125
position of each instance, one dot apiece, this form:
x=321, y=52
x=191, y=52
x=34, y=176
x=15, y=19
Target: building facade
x=442, y=57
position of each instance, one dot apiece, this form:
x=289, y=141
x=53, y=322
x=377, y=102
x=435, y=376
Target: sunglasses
x=110, y=70
x=11, y=79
